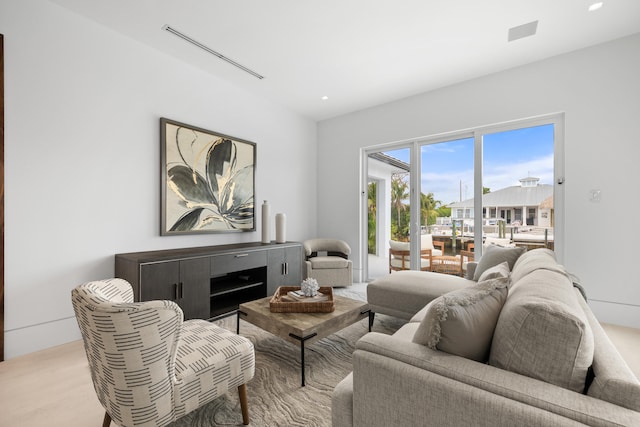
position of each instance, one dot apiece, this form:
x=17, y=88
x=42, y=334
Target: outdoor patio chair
x=465, y=258
x=399, y=253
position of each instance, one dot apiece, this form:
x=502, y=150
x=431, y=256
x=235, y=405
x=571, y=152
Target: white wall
x=597, y=88
x=82, y=162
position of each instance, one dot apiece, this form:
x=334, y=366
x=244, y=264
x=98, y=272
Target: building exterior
x=529, y=203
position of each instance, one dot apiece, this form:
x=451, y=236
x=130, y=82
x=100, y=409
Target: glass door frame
x=415, y=144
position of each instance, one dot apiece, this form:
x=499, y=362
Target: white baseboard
x=39, y=337
x=616, y=313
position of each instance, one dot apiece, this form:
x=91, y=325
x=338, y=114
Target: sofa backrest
x=613, y=381
x=534, y=260
x=542, y=331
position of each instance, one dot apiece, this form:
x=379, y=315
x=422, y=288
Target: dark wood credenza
x=211, y=281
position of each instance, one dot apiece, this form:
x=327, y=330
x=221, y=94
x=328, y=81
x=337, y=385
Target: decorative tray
x=283, y=302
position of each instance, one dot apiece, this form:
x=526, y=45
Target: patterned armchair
x=149, y=367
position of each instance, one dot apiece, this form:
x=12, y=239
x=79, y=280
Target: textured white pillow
x=493, y=255
x=462, y=322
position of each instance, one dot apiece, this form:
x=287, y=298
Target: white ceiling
x=360, y=53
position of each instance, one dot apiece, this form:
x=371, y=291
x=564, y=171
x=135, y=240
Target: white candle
x=281, y=228
x=266, y=223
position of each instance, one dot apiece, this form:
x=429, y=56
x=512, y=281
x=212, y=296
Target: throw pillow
x=462, y=322
x=494, y=255
x=495, y=272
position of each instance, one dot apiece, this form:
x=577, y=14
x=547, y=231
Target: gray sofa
x=518, y=345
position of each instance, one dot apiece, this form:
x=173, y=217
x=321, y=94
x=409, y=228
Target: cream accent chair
x=399, y=254
x=149, y=367
x=327, y=261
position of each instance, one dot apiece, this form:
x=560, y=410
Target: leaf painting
x=209, y=181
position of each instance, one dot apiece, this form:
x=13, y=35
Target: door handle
x=178, y=291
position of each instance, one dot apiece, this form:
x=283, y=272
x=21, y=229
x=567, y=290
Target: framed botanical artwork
x=208, y=181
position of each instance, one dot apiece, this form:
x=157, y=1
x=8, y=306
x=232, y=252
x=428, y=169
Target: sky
x=507, y=157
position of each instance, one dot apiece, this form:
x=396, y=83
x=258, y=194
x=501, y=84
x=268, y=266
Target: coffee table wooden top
x=304, y=325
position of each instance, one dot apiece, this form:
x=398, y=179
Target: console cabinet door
x=293, y=260
x=186, y=282
x=159, y=281
x=284, y=268
x=194, y=296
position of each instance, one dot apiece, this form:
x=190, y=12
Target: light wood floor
x=53, y=387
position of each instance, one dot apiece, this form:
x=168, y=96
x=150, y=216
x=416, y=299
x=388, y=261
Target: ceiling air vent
x=211, y=51
x=522, y=31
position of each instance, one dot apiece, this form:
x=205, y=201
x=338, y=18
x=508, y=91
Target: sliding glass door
x=388, y=211
x=447, y=178
x=498, y=184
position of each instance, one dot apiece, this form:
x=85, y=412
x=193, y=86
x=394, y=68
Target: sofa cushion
x=321, y=262
x=399, y=246
x=495, y=272
x=462, y=322
x=404, y=293
x=426, y=242
x=494, y=255
x=542, y=331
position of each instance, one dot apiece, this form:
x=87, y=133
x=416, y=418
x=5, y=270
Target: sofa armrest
x=471, y=269
x=432, y=384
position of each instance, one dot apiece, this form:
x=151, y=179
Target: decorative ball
x=309, y=287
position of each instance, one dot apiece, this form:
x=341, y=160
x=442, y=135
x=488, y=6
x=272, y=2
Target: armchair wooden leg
x=107, y=420
x=244, y=403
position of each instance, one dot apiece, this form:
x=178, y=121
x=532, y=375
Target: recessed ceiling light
x=324, y=98
x=595, y=6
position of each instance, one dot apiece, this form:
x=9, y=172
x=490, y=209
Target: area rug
x=275, y=395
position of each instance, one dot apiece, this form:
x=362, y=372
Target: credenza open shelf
x=210, y=282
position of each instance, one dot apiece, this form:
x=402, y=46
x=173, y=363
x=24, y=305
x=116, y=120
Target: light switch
x=594, y=195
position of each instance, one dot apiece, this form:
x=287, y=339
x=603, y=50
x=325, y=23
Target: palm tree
x=372, y=209
x=399, y=193
x=428, y=208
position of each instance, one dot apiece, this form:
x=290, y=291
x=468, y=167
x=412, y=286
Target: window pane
x=518, y=178
x=447, y=193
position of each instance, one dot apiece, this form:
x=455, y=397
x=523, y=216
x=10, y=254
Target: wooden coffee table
x=302, y=329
